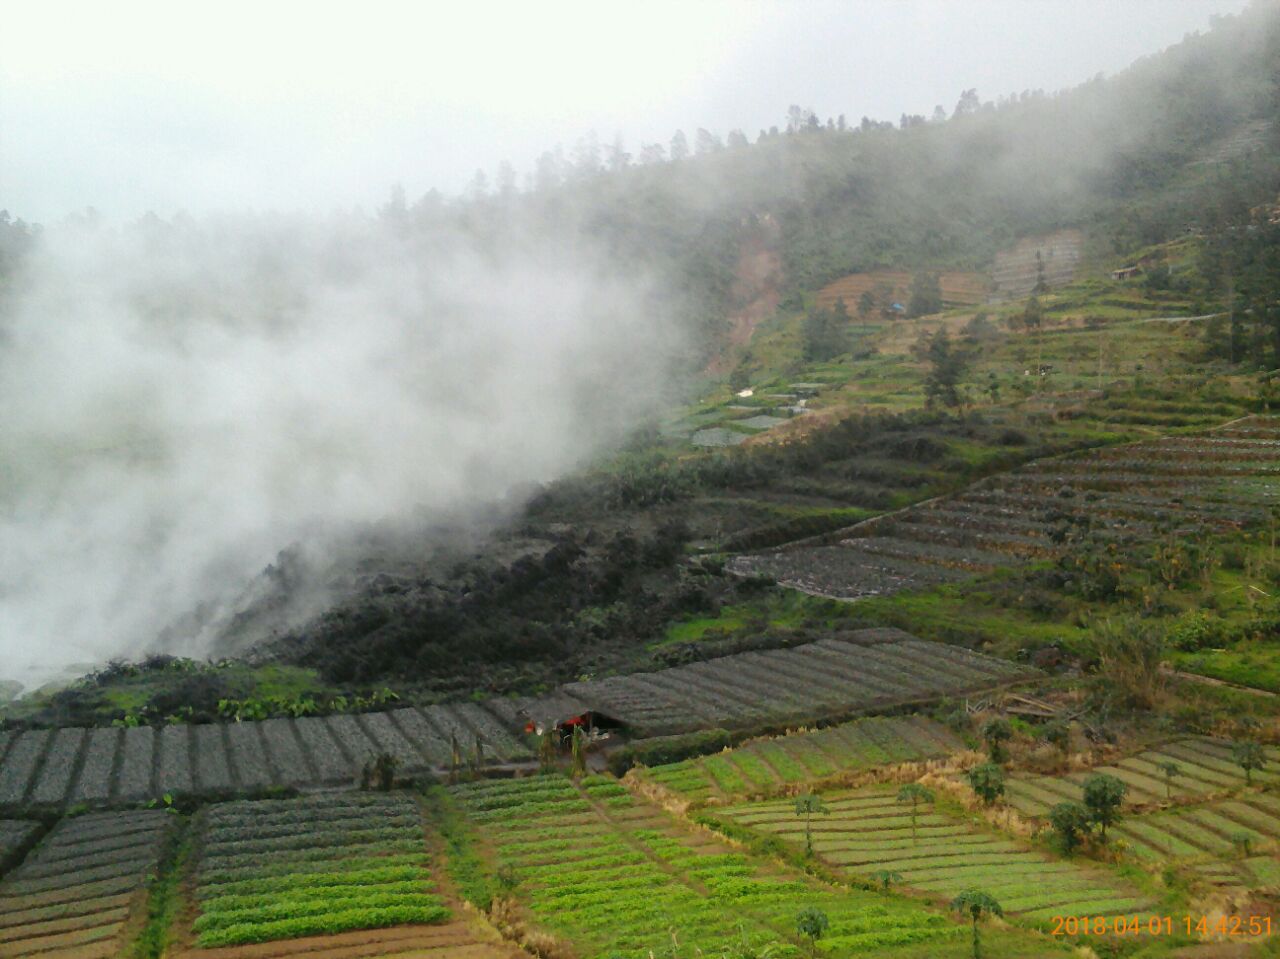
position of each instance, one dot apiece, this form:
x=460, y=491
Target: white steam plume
x=179, y=401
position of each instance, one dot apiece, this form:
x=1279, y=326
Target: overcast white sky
x=167, y=106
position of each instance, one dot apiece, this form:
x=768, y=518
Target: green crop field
x=1205, y=765
x=78, y=892
x=280, y=869
x=1211, y=831
x=767, y=765
x=865, y=831
x=619, y=878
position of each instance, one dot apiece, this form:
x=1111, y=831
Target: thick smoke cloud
x=180, y=401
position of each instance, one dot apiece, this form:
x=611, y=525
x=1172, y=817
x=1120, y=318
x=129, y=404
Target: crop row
x=965, y=558
x=775, y=687
x=1142, y=489
x=1052, y=508
x=334, y=866
x=763, y=765
x=868, y=832
x=632, y=882
x=79, y=887
x=1214, y=830
x=52, y=768
x=1204, y=767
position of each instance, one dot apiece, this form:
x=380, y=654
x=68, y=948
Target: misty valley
x=855, y=539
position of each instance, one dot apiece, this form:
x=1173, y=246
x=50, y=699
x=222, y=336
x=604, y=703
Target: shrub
x=995, y=733
x=812, y=923
x=1129, y=651
x=987, y=782
x=1248, y=756
x=1103, y=795
x=1057, y=733
x=379, y=772
x=661, y=750
x=1195, y=630
x=1234, y=556
x=1070, y=823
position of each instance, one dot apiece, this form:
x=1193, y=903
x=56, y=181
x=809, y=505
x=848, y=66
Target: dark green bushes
x=668, y=749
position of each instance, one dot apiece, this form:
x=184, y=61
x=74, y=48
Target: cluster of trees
x=1102, y=796
x=507, y=624
x=948, y=363
x=1114, y=154
x=826, y=333
x=925, y=296
x=1118, y=155
x=1241, y=265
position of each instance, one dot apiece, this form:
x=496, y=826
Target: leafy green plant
x=987, y=782
x=165, y=802
x=886, y=878
x=1070, y=822
x=1130, y=651
x=914, y=794
x=1242, y=840
x=1103, y=796
x=812, y=923
x=328, y=922
x=507, y=878
x=745, y=949
x=995, y=733
x=1249, y=756
x=379, y=772
x=1171, y=771
x=163, y=896
x=975, y=905
x=1058, y=734
x=806, y=806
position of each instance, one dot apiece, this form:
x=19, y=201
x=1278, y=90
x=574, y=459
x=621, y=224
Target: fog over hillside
x=184, y=396
x=181, y=401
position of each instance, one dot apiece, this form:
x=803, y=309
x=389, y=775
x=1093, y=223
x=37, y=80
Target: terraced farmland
x=616, y=877
x=1019, y=268
x=863, y=670
x=279, y=869
x=958, y=289
x=1217, y=481
x=77, y=892
x=867, y=830
x=766, y=766
x=1235, y=876
x=1205, y=769
x=100, y=767
x=1205, y=832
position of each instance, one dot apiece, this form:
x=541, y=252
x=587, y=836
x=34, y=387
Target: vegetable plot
x=313, y=866
x=75, y=895
x=1220, y=480
x=617, y=877
x=764, y=766
x=870, y=833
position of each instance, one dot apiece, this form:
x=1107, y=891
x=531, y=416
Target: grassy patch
x=1255, y=664
x=163, y=896
x=780, y=609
